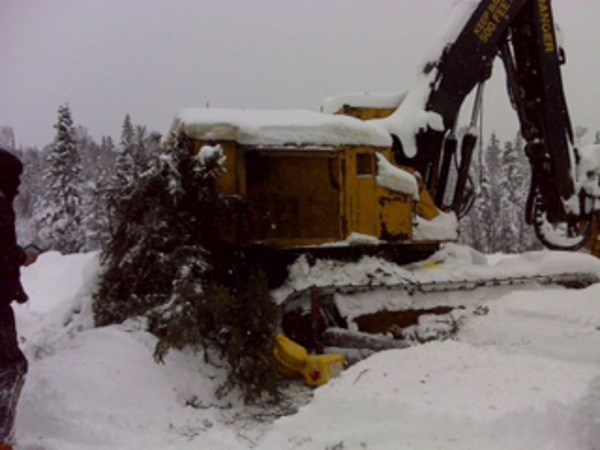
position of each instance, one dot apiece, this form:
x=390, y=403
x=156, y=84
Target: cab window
x=364, y=164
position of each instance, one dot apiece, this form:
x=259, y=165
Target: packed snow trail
x=523, y=374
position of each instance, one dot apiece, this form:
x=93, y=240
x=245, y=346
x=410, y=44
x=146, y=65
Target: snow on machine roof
x=277, y=128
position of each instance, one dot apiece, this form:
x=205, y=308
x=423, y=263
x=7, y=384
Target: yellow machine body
x=309, y=196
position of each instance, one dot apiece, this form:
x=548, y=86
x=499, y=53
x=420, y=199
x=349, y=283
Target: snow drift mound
x=100, y=388
x=524, y=374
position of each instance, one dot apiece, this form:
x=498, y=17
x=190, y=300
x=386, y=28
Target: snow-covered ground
x=523, y=374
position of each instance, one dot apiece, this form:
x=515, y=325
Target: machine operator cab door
x=361, y=192
x=372, y=209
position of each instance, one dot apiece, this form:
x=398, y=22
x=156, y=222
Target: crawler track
x=314, y=316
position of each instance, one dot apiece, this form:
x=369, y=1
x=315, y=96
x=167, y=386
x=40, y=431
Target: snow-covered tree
x=96, y=213
x=580, y=133
x=60, y=216
x=89, y=151
x=528, y=240
x=132, y=156
x=481, y=223
x=7, y=138
x=106, y=145
x=30, y=191
x=125, y=167
x=471, y=230
x=509, y=216
x=166, y=261
x=100, y=162
x=497, y=220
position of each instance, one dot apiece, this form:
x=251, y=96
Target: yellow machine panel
x=294, y=196
x=307, y=197
x=395, y=216
x=361, y=192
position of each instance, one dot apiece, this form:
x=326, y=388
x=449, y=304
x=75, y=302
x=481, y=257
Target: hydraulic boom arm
x=523, y=34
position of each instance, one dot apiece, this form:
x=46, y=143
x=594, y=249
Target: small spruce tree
x=167, y=262
x=125, y=167
x=60, y=214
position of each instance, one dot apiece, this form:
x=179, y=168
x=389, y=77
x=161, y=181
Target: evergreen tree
x=30, y=191
x=493, y=163
x=166, y=261
x=89, y=151
x=497, y=220
x=60, y=220
x=483, y=220
x=580, y=133
x=107, y=150
x=528, y=240
x=130, y=159
x=7, y=138
x=141, y=151
x=125, y=168
x=486, y=219
x=100, y=162
x=509, y=184
x=31, y=187
x=468, y=225
x=96, y=213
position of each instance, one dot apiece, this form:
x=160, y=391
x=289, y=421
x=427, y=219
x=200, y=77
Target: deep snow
x=524, y=373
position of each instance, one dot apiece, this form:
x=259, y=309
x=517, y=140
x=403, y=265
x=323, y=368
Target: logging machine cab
x=312, y=180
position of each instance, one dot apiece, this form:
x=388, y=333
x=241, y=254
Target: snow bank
x=558, y=324
x=447, y=395
x=276, y=128
x=59, y=288
x=100, y=388
x=104, y=390
x=523, y=374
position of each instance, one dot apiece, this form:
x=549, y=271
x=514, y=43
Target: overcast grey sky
x=150, y=58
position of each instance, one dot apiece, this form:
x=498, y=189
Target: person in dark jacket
x=13, y=364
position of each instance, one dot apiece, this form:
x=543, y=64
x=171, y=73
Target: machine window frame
x=364, y=165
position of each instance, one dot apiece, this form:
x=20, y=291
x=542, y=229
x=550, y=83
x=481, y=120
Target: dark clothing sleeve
x=12, y=256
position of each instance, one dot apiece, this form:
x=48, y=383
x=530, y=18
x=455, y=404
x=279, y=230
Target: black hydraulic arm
x=522, y=32
x=532, y=60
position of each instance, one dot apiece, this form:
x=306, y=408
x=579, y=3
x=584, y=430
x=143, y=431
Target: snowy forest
x=69, y=186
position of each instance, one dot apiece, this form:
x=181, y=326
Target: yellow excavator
x=392, y=181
